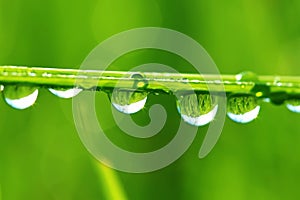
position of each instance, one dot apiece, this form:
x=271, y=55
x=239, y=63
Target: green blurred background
x=41, y=156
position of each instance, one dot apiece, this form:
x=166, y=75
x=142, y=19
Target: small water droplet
x=128, y=102
x=65, y=93
x=246, y=76
x=139, y=82
x=278, y=98
x=242, y=108
x=197, y=109
x=293, y=105
x=20, y=96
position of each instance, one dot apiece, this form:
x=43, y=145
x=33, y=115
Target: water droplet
x=65, y=93
x=293, y=105
x=246, y=76
x=139, y=82
x=20, y=97
x=242, y=108
x=278, y=98
x=128, y=102
x=197, y=109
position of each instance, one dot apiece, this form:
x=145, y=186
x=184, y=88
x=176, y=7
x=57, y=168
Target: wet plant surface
x=41, y=155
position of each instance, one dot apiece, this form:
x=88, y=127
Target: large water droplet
x=197, y=109
x=242, y=108
x=128, y=102
x=65, y=93
x=20, y=97
x=293, y=105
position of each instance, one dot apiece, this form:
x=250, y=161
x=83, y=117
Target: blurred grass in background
x=41, y=156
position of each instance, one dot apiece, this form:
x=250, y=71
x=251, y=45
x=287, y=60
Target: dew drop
x=278, y=98
x=65, y=93
x=293, y=105
x=197, y=109
x=139, y=81
x=246, y=76
x=242, y=108
x=128, y=102
x=20, y=96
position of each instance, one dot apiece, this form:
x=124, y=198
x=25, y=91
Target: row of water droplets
x=23, y=96
x=197, y=109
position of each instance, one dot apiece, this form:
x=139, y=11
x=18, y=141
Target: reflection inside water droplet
x=293, y=105
x=20, y=97
x=242, y=108
x=65, y=93
x=128, y=102
x=197, y=109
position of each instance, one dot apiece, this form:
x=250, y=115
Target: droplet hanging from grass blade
x=293, y=105
x=197, y=109
x=242, y=108
x=20, y=96
x=65, y=93
x=128, y=102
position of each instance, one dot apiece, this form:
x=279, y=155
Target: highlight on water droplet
x=65, y=93
x=242, y=108
x=20, y=96
x=197, y=109
x=293, y=105
x=128, y=102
